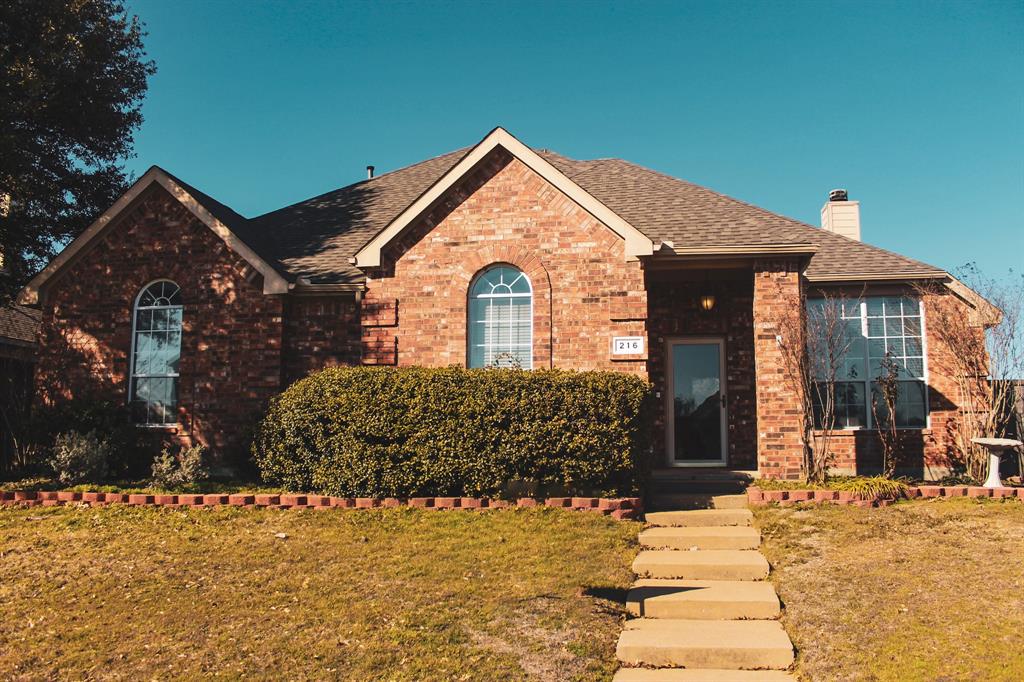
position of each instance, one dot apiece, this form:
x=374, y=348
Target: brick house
x=19, y=327
x=489, y=255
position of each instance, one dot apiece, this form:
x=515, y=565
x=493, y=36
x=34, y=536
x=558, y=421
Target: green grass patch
x=922, y=590
x=397, y=594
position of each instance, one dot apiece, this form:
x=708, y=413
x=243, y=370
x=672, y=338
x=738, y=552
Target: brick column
x=777, y=289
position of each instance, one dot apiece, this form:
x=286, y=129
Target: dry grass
x=924, y=590
x=361, y=595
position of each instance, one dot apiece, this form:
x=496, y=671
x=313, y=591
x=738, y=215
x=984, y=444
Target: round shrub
x=412, y=431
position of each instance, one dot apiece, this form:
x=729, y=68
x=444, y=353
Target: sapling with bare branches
x=886, y=392
x=814, y=343
x=984, y=340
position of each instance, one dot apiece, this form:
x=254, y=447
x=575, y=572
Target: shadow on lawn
x=615, y=595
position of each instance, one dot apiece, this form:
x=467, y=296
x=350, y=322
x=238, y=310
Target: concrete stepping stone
x=701, y=517
x=727, y=644
x=701, y=537
x=682, y=501
x=711, y=564
x=703, y=599
x=699, y=675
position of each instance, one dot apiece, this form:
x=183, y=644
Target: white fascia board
x=273, y=282
x=637, y=243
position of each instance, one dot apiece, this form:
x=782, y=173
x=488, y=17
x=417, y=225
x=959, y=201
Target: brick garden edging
x=758, y=497
x=618, y=508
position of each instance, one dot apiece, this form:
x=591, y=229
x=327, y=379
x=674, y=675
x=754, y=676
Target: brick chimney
x=840, y=215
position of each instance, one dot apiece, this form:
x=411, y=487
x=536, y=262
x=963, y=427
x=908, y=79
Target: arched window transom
x=156, y=351
x=501, y=319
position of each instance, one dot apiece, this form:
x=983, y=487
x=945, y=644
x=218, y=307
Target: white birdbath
x=995, y=447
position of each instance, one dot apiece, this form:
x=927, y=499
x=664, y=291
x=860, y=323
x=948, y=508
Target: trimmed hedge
x=414, y=431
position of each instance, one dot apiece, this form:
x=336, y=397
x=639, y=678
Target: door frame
x=670, y=395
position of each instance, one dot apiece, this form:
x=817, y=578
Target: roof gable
x=212, y=213
x=637, y=243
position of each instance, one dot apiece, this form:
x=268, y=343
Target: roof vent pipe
x=369, y=172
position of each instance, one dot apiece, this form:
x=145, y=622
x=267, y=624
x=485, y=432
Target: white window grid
x=892, y=308
x=506, y=326
x=165, y=295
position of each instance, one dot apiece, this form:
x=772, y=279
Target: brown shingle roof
x=672, y=210
x=314, y=239
x=19, y=324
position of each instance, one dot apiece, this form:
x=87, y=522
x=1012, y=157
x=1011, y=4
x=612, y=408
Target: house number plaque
x=628, y=345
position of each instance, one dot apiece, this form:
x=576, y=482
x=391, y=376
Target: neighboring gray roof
x=315, y=238
x=19, y=324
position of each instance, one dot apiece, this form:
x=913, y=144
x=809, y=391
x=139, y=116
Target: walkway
x=703, y=610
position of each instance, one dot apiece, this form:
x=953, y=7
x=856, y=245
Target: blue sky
x=916, y=108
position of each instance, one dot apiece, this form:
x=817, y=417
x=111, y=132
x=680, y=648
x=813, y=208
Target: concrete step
x=701, y=537
x=726, y=644
x=695, y=488
x=701, y=517
x=683, y=501
x=703, y=475
x=703, y=599
x=709, y=564
x=700, y=675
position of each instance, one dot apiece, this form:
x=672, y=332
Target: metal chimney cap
x=369, y=172
x=838, y=195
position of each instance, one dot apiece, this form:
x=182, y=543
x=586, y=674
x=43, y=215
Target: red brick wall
x=777, y=290
x=319, y=331
x=675, y=312
x=231, y=340
x=585, y=292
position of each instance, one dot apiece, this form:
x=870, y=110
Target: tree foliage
x=73, y=74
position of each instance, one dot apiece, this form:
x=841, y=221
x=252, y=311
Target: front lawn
x=397, y=594
x=924, y=590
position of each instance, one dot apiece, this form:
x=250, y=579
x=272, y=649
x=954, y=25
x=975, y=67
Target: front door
x=696, y=402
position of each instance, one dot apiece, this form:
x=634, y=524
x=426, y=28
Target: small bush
x=868, y=486
x=401, y=432
x=131, y=448
x=186, y=468
x=873, y=486
x=79, y=458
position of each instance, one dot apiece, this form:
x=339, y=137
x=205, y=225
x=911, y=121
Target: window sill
x=161, y=427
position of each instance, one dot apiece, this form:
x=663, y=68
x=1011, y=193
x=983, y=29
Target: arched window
x=156, y=349
x=501, y=319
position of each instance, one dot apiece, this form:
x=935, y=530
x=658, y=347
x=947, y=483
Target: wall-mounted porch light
x=707, y=302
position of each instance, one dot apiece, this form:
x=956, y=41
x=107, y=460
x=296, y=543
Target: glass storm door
x=696, y=405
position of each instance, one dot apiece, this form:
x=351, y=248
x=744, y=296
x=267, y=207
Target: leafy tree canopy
x=72, y=78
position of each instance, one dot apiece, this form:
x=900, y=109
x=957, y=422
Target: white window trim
x=470, y=297
x=131, y=354
x=924, y=379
